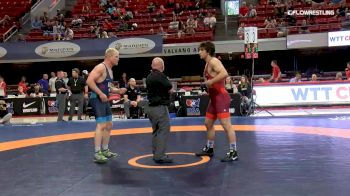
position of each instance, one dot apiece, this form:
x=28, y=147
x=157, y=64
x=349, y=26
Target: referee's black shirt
x=158, y=87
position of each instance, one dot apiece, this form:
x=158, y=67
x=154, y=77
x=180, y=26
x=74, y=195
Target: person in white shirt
x=52, y=82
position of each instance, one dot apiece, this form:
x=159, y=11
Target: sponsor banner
x=307, y=40
x=304, y=94
x=339, y=38
x=181, y=50
x=192, y=107
x=147, y=44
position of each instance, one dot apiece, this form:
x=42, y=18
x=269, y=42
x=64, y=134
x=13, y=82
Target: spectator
x=5, y=116
x=282, y=29
x=252, y=12
x=104, y=35
x=162, y=32
x=37, y=23
x=347, y=70
x=5, y=21
x=86, y=9
x=304, y=27
x=69, y=34
x=270, y=22
x=342, y=10
x=178, y=10
x=240, y=31
x=44, y=84
x=2, y=87
x=65, y=78
x=212, y=21
x=123, y=83
x=20, y=92
x=77, y=22
x=245, y=88
x=276, y=72
x=52, y=82
x=151, y=7
x=23, y=84
x=297, y=78
x=243, y=10
x=230, y=86
x=314, y=78
x=35, y=91
x=339, y=76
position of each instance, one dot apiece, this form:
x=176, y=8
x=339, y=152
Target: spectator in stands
x=103, y=3
x=35, y=91
x=77, y=22
x=270, y=22
x=180, y=33
x=304, y=27
x=240, y=31
x=151, y=7
x=104, y=35
x=5, y=116
x=132, y=97
x=230, y=86
x=314, y=78
x=280, y=9
x=111, y=9
x=128, y=15
x=252, y=12
x=23, y=83
x=191, y=25
x=178, y=10
x=342, y=10
x=123, y=82
x=297, y=78
x=347, y=70
x=94, y=31
x=45, y=17
x=60, y=19
x=52, y=81
x=65, y=78
x=245, y=88
x=107, y=25
x=170, y=3
x=212, y=21
x=282, y=29
x=37, y=23
x=243, y=10
x=276, y=72
x=69, y=34
x=86, y=8
x=162, y=32
x=5, y=21
x=112, y=35
x=44, y=84
x=20, y=92
x=47, y=28
x=339, y=76
x=2, y=87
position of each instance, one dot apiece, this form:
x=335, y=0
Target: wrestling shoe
x=206, y=151
x=230, y=156
x=100, y=158
x=108, y=154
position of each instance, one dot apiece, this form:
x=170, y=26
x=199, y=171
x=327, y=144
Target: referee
x=61, y=95
x=79, y=89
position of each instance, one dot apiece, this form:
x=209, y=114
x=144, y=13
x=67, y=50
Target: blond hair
x=111, y=51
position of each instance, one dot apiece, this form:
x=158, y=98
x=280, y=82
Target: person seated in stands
x=180, y=33
x=282, y=29
x=270, y=22
x=304, y=27
x=314, y=78
x=128, y=15
x=37, y=23
x=5, y=116
x=35, y=91
x=94, y=31
x=20, y=92
x=104, y=35
x=297, y=78
x=347, y=70
x=107, y=25
x=339, y=76
x=162, y=32
x=151, y=7
x=276, y=72
x=271, y=2
x=170, y=3
x=5, y=21
x=191, y=24
x=280, y=9
x=86, y=8
x=111, y=9
x=252, y=12
x=245, y=88
x=77, y=22
x=341, y=11
x=240, y=31
x=47, y=28
x=178, y=10
x=112, y=35
x=243, y=10
x=212, y=21
x=230, y=86
x=103, y=3
x=69, y=34
x=2, y=87
x=132, y=97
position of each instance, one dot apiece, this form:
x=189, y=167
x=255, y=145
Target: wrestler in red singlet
x=219, y=104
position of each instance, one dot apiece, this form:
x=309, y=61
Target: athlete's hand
x=122, y=90
x=103, y=97
x=209, y=83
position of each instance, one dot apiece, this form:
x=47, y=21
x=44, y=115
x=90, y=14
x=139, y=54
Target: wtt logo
x=193, y=102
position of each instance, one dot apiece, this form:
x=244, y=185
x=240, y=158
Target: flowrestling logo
x=133, y=45
x=57, y=49
x=3, y=52
x=311, y=12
